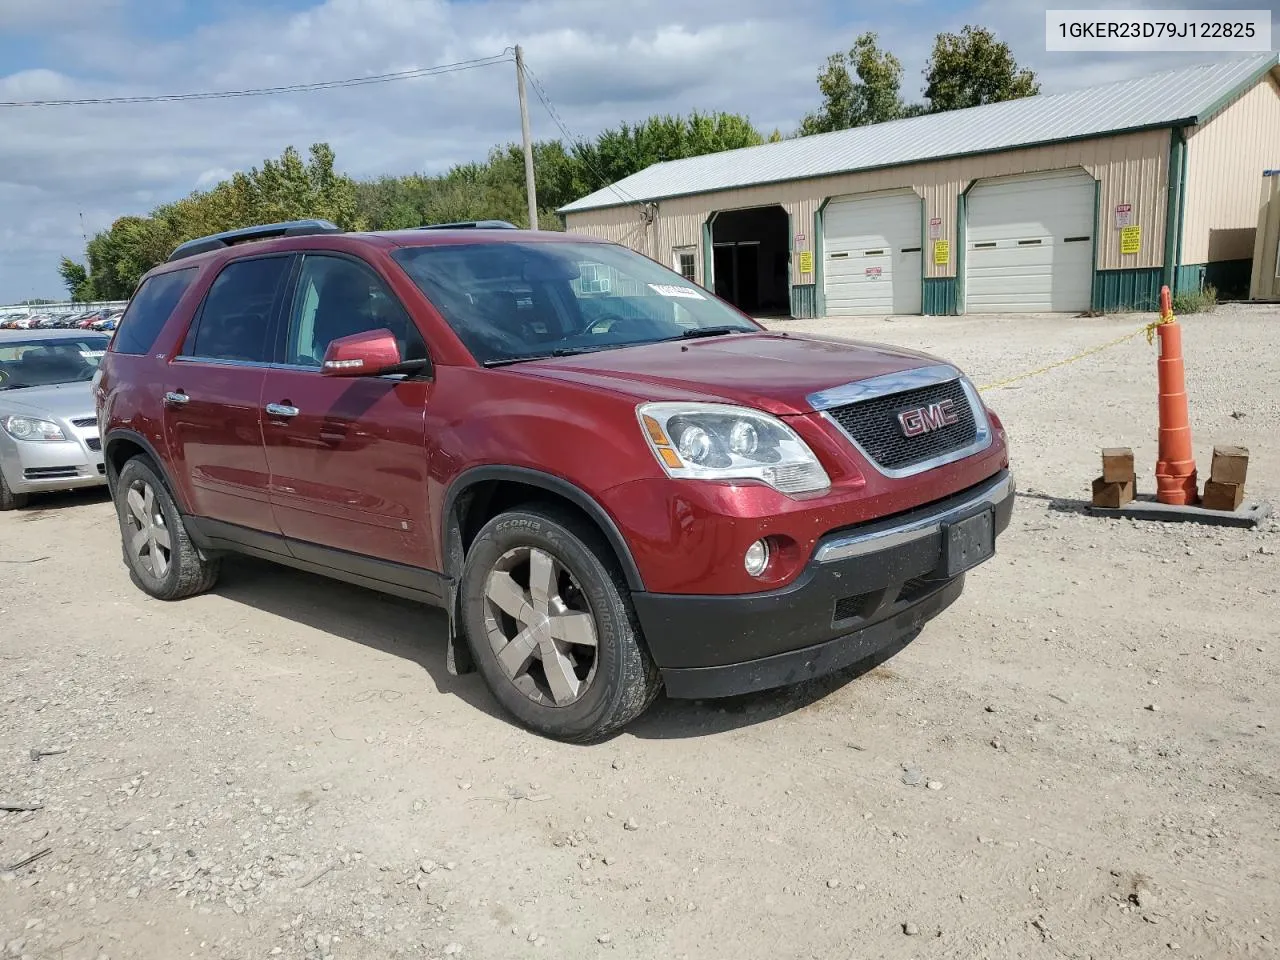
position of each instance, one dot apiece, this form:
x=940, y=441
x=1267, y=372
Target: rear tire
x=8, y=499
x=162, y=560
x=554, y=634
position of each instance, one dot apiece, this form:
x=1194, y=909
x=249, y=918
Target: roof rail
x=292, y=228
x=471, y=225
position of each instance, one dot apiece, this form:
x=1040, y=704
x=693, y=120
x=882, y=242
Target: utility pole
x=529, y=188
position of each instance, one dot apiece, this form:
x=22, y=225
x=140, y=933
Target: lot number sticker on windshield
x=93, y=354
x=671, y=290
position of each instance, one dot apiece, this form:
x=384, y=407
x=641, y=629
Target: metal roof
x=1171, y=98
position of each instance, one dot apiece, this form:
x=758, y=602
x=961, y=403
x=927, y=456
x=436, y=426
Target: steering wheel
x=609, y=318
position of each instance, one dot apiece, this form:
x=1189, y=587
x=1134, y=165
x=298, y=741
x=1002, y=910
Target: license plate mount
x=968, y=542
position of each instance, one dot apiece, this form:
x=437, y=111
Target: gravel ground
x=1077, y=760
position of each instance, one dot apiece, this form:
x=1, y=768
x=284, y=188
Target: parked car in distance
x=48, y=427
x=611, y=480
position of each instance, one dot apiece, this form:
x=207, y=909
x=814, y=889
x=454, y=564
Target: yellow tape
x=1149, y=329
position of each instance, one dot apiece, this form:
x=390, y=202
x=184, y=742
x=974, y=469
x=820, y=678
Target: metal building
x=1050, y=203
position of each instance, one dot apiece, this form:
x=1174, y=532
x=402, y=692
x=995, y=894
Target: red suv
x=612, y=481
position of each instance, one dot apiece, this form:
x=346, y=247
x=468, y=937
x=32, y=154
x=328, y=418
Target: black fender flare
x=459, y=659
x=452, y=549
x=138, y=439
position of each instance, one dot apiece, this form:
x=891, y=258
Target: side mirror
x=372, y=353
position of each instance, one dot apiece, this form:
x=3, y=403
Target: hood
x=65, y=400
x=773, y=372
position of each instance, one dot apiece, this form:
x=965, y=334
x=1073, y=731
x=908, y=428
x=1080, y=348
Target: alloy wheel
x=149, y=538
x=540, y=626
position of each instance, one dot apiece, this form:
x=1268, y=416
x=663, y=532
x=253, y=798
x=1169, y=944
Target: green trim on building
x=1182, y=202
x=940, y=297
x=819, y=272
x=962, y=228
x=1174, y=205
x=708, y=258
x=924, y=256
x=1097, y=229
x=1189, y=278
x=804, y=301
x=1120, y=291
x=791, y=261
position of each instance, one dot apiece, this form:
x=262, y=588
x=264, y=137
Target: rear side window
x=149, y=311
x=233, y=323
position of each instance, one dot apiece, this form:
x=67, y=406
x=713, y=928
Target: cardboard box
x=1222, y=496
x=1117, y=464
x=1230, y=464
x=1113, y=495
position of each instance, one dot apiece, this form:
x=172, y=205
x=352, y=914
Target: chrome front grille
x=908, y=422
x=873, y=424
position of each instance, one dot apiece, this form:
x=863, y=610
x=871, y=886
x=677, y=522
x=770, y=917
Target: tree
x=973, y=68
x=619, y=152
x=291, y=188
x=75, y=278
x=967, y=69
x=874, y=97
x=285, y=189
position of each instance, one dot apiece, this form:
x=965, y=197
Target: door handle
x=282, y=410
x=176, y=397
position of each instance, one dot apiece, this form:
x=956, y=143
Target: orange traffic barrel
x=1175, y=463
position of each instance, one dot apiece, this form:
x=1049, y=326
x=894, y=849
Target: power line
x=542, y=96
x=271, y=91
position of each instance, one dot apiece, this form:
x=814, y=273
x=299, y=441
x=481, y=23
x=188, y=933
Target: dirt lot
x=1079, y=759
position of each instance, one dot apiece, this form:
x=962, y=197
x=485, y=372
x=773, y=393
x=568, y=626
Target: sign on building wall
x=1124, y=215
x=1130, y=239
x=941, y=252
x=935, y=228
x=873, y=273
x=804, y=261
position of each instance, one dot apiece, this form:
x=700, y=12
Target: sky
x=68, y=171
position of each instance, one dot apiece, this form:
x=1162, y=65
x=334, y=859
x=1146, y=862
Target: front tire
x=8, y=499
x=551, y=625
x=162, y=560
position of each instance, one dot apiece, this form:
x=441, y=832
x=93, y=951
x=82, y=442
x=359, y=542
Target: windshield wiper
x=559, y=352
x=708, y=332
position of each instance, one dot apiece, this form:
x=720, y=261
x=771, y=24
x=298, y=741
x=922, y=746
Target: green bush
x=1196, y=301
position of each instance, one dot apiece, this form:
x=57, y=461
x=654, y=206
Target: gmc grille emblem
x=918, y=421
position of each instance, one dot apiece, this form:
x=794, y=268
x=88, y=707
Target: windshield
x=45, y=362
x=520, y=300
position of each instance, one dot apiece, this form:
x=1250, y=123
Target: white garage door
x=1029, y=244
x=871, y=255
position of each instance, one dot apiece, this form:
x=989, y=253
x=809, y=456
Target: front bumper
x=32, y=467
x=865, y=590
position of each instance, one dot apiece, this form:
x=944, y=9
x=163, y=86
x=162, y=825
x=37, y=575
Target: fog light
x=757, y=558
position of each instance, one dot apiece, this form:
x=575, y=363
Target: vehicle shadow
x=1056, y=504
x=681, y=719
x=416, y=633
x=412, y=631
x=42, y=504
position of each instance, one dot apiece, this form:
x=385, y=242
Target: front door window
x=336, y=298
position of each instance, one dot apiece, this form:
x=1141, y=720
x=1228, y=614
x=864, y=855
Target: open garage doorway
x=752, y=260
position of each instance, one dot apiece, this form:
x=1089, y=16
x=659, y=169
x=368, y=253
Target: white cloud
x=18, y=15
x=751, y=56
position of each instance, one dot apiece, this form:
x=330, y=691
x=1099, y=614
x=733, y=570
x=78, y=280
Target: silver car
x=48, y=427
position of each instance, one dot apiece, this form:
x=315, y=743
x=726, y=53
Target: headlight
x=29, y=428
x=711, y=441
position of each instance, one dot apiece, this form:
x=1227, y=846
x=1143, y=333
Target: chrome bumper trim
x=884, y=538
